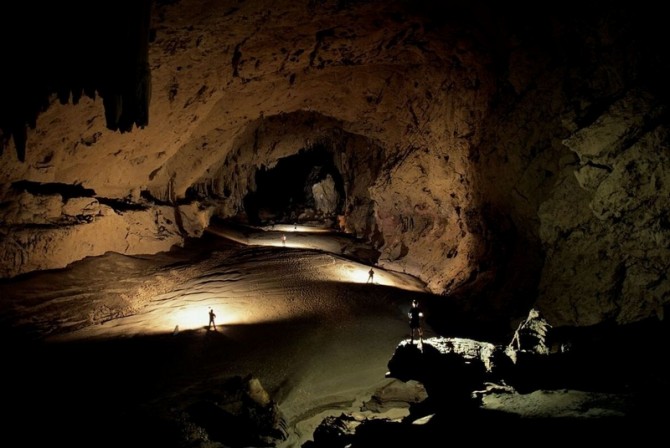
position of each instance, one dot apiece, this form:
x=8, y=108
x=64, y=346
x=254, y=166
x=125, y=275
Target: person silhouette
x=415, y=314
x=371, y=276
x=211, y=320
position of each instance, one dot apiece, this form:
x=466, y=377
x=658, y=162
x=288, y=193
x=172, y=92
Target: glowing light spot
x=189, y=318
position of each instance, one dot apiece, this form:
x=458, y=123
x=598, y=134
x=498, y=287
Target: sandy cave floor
x=101, y=350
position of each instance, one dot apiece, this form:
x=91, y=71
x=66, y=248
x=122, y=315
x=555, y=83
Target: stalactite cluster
x=69, y=49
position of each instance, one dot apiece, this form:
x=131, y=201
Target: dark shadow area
x=284, y=192
x=125, y=391
x=67, y=191
x=120, y=205
x=451, y=317
x=631, y=356
x=484, y=427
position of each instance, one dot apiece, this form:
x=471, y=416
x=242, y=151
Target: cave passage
x=284, y=193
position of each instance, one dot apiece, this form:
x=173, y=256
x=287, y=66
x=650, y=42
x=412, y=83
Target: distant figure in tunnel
x=415, y=314
x=283, y=239
x=371, y=276
x=211, y=324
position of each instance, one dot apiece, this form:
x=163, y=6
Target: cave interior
x=508, y=158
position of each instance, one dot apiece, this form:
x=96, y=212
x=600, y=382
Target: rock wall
x=605, y=227
x=570, y=169
x=49, y=231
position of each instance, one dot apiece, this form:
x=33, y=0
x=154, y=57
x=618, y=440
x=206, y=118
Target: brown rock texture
x=505, y=162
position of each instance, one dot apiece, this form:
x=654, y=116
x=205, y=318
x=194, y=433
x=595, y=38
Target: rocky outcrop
x=325, y=195
x=49, y=231
x=457, y=372
x=469, y=383
x=450, y=369
x=532, y=335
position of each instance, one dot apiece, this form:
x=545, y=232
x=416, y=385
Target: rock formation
x=238, y=413
x=460, y=375
x=504, y=161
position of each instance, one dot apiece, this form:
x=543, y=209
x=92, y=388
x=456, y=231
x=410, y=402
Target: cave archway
x=302, y=187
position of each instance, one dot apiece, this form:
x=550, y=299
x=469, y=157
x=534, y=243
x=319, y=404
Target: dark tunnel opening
x=306, y=186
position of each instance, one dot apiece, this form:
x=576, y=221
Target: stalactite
x=91, y=48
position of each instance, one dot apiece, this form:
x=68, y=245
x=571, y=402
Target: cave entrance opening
x=304, y=187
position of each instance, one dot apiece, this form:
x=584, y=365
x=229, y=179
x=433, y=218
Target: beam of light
x=174, y=314
x=297, y=228
x=193, y=317
x=352, y=272
x=295, y=239
x=189, y=310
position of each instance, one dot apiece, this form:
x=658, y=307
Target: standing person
x=283, y=239
x=371, y=276
x=211, y=320
x=415, y=314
